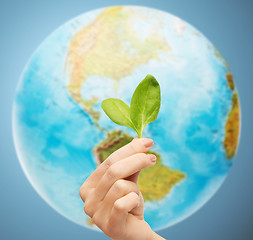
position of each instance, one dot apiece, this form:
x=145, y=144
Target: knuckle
x=119, y=206
x=82, y=193
x=133, y=146
x=85, y=208
x=137, y=145
x=142, y=157
x=120, y=185
x=91, y=205
x=108, y=162
x=135, y=197
x=88, y=209
x=112, y=172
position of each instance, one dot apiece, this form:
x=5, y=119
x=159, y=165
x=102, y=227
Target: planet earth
x=61, y=133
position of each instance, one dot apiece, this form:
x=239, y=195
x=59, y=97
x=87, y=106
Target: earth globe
x=61, y=133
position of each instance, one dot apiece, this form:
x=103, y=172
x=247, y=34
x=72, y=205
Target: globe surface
x=62, y=134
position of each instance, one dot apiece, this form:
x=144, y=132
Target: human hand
x=112, y=197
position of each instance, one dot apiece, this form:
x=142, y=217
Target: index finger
x=137, y=145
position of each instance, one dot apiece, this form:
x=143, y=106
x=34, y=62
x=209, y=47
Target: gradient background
x=25, y=24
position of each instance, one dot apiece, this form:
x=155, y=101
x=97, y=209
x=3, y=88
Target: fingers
x=139, y=211
x=120, y=210
x=120, y=188
x=90, y=206
x=122, y=169
x=137, y=145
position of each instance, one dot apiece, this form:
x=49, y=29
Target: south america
x=154, y=182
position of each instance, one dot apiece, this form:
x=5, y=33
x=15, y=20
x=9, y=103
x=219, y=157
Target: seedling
x=144, y=108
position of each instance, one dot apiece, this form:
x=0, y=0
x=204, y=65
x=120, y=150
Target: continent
x=230, y=81
x=220, y=57
x=217, y=53
x=232, y=128
x=154, y=182
x=109, y=47
x=90, y=222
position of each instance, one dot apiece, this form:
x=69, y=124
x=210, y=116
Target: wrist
x=155, y=236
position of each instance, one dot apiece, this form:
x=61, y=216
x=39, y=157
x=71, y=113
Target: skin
x=112, y=197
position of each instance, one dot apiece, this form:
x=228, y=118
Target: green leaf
x=118, y=112
x=145, y=103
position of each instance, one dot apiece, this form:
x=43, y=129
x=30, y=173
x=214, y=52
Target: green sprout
x=144, y=109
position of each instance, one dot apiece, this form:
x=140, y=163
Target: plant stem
x=140, y=135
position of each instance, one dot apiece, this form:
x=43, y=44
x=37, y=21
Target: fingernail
x=147, y=142
x=152, y=157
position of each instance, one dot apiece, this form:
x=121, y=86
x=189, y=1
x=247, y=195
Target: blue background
x=25, y=24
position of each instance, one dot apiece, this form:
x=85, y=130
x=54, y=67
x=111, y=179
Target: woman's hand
x=112, y=197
